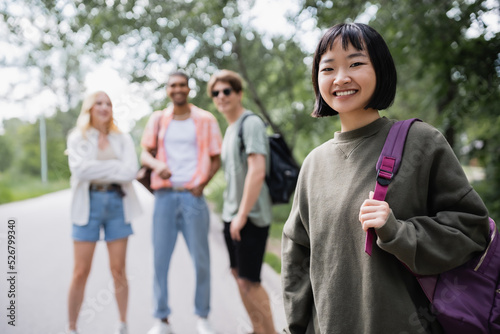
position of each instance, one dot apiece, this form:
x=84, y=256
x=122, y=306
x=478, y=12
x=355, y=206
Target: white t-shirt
x=181, y=151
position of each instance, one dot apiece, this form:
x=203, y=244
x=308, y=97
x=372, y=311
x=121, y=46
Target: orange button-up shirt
x=208, y=139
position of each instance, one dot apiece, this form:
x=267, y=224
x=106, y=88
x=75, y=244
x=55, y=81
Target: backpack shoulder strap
x=387, y=166
x=240, y=130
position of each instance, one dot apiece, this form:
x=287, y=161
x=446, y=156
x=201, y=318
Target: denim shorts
x=247, y=255
x=106, y=213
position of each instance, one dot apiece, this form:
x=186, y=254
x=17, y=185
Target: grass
x=274, y=261
x=24, y=187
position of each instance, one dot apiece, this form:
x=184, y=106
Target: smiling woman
x=354, y=77
x=347, y=79
x=98, y=114
x=101, y=113
x=341, y=56
x=103, y=164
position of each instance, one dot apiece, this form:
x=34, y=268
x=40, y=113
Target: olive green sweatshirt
x=437, y=222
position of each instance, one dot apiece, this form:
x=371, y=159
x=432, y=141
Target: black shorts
x=247, y=255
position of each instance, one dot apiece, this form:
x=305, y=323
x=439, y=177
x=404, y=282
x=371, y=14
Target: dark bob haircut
x=360, y=36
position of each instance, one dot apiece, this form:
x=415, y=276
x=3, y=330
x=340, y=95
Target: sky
x=266, y=16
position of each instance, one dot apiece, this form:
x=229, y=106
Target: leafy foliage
x=201, y=38
x=447, y=59
x=6, y=153
x=449, y=69
x=26, y=146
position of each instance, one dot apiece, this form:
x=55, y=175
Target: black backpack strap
x=240, y=131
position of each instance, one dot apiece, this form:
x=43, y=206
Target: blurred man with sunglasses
x=247, y=204
x=187, y=141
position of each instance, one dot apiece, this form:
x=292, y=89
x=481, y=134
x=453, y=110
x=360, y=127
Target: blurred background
x=52, y=53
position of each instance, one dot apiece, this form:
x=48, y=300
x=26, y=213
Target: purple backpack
x=466, y=299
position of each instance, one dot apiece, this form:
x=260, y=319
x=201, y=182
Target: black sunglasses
x=226, y=91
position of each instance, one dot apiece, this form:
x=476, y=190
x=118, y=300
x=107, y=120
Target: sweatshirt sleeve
x=295, y=272
x=452, y=221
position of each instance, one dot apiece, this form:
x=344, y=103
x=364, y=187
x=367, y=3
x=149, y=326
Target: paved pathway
x=44, y=259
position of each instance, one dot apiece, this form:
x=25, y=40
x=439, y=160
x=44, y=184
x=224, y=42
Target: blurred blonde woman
x=103, y=164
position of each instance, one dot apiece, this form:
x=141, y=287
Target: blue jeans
x=176, y=211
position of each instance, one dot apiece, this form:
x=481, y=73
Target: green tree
x=58, y=127
x=447, y=59
x=26, y=148
x=55, y=58
x=6, y=152
x=28, y=161
x=202, y=37
x=448, y=65
x=52, y=53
